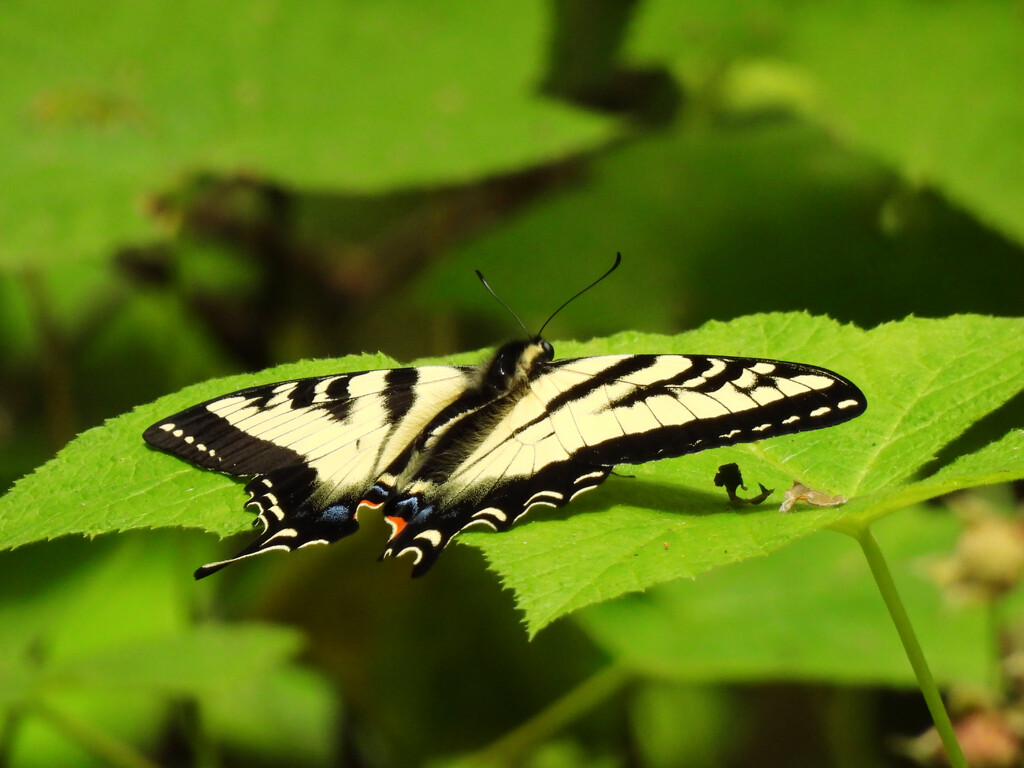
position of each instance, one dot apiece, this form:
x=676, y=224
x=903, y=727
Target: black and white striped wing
x=314, y=446
x=582, y=417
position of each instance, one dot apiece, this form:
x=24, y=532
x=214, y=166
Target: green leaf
x=76, y=597
x=321, y=95
x=879, y=74
x=100, y=632
x=712, y=734
x=97, y=635
x=196, y=660
x=107, y=480
x=298, y=720
x=998, y=462
x=926, y=382
x=816, y=611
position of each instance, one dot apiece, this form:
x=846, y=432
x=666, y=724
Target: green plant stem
x=925, y=681
x=518, y=743
x=94, y=741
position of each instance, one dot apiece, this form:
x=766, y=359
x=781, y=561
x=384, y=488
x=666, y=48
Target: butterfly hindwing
x=432, y=516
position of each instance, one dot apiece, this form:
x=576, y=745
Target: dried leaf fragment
x=800, y=492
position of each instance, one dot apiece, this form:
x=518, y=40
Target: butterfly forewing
x=646, y=407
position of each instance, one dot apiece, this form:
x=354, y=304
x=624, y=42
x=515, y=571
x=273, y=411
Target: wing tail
x=325, y=527
x=290, y=518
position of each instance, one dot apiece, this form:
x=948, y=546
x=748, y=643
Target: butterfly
x=437, y=449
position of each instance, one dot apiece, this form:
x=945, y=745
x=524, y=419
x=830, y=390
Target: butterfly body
x=437, y=449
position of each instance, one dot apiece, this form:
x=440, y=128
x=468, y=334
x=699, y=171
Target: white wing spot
x=416, y=559
x=746, y=380
x=765, y=395
x=369, y=383
x=727, y=435
x=847, y=404
x=582, y=490
x=588, y=476
x=789, y=387
x=433, y=536
x=189, y=439
x=481, y=521
x=536, y=504
x=761, y=428
x=494, y=512
x=813, y=381
x=281, y=394
x=289, y=533
x=178, y=432
x=705, y=407
x=167, y=427
x=791, y=420
x=320, y=390
x=821, y=411
x=717, y=366
x=539, y=497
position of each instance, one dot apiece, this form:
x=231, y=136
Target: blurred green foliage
x=199, y=189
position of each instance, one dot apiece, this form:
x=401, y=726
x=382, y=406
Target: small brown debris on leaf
x=800, y=492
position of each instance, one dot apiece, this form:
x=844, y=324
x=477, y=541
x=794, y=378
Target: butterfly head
x=515, y=363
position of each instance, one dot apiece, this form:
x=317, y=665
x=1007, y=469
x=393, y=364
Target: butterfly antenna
x=498, y=299
x=618, y=260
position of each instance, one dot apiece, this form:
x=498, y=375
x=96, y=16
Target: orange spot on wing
x=397, y=524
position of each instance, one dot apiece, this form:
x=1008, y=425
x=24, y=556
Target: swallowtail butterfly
x=440, y=448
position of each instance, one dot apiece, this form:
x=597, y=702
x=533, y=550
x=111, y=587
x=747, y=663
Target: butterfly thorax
x=515, y=364
x=459, y=428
